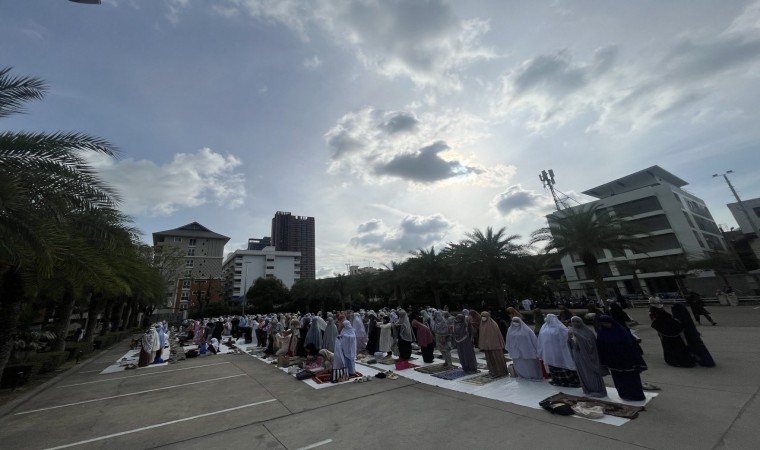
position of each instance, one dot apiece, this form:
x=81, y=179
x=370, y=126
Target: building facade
x=746, y=239
x=672, y=220
x=197, y=275
x=243, y=267
x=296, y=234
x=259, y=243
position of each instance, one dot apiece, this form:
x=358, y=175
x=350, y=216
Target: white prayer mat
x=131, y=358
x=514, y=390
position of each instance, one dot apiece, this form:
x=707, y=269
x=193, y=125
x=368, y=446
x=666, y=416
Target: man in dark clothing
x=697, y=307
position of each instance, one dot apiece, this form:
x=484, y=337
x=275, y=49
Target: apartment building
x=673, y=221
x=296, y=234
x=243, y=267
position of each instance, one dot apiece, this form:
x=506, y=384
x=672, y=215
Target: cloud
x=378, y=146
x=425, y=166
x=515, y=201
x=188, y=180
x=682, y=78
x=175, y=7
x=312, y=63
x=423, y=41
x=411, y=233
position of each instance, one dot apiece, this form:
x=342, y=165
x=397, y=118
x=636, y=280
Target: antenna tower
x=560, y=198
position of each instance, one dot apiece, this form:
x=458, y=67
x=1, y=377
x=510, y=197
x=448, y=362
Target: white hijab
x=521, y=341
x=552, y=344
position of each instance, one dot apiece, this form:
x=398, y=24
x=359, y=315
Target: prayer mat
x=435, y=368
x=403, y=365
x=613, y=409
x=452, y=374
x=482, y=379
x=326, y=378
x=386, y=361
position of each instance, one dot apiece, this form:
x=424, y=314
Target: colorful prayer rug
x=324, y=378
x=481, y=379
x=434, y=368
x=613, y=409
x=451, y=374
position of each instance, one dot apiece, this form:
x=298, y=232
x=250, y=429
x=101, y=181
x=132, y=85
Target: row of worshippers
x=152, y=344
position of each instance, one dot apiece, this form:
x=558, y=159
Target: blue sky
x=396, y=124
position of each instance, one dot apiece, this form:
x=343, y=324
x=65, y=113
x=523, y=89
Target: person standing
x=492, y=344
x=698, y=307
x=671, y=336
x=618, y=353
x=425, y=340
x=463, y=339
x=522, y=346
x=553, y=350
x=582, y=344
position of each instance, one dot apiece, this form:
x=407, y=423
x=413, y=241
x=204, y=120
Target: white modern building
x=747, y=215
x=673, y=222
x=243, y=267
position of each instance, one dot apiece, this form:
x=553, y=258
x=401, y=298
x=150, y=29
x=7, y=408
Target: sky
x=397, y=125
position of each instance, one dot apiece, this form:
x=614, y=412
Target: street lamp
x=741, y=205
x=243, y=286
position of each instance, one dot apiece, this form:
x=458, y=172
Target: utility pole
x=750, y=219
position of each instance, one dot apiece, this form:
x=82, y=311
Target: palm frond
x=16, y=90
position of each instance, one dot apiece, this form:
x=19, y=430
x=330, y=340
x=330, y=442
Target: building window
x=688, y=219
x=185, y=284
x=184, y=296
x=177, y=239
x=270, y=267
x=191, y=243
x=183, y=306
x=190, y=252
x=187, y=273
x=188, y=263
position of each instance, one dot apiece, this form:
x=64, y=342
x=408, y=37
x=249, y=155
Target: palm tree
x=489, y=254
x=44, y=178
x=431, y=268
x=585, y=232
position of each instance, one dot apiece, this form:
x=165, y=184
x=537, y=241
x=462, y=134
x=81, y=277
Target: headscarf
x=616, y=347
x=348, y=340
x=475, y=320
x=552, y=344
x=156, y=339
x=331, y=332
x=462, y=329
x=424, y=336
x=521, y=340
x=147, y=340
x=313, y=337
x=490, y=335
x=586, y=340
x=440, y=324
x=617, y=313
x=405, y=328
x=512, y=312
x=358, y=325
x=320, y=322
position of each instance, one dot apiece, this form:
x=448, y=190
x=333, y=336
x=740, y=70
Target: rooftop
x=648, y=177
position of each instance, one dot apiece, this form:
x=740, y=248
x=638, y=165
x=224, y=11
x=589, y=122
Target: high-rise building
x=259, y=243
x=243, y=267
x=672, y=220
x=296, y=234
x=197, y=275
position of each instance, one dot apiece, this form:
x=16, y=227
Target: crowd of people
x=568, y=349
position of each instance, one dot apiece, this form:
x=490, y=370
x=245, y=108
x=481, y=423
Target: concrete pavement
x=235, y=401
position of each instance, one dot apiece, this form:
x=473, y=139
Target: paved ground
x=235, y=401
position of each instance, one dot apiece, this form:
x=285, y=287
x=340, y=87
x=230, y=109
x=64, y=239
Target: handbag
x=304, y=375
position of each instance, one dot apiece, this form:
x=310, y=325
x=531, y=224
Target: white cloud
x=515, y=201
x=422, y=41
x=411, y=233
x=380, y=146
x=312, y=63
x=175, y=7
x=188, y=180
x=613, y=97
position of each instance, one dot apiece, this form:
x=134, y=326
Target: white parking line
x=137, y=430
x=316, y=444
x=141, y=375
x=127, y=395
x=91, y=371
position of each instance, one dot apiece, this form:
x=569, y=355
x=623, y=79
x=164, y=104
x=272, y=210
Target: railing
x=715, y=301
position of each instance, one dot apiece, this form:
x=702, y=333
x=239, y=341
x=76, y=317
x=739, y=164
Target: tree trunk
x=437, y=297
x=93, y=309
x=62, y=320
x=119, y=316
x=127, y=316
x=107, y=318
x=11, y=298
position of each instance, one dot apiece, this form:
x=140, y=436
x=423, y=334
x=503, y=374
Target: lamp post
x=243, y=286
x=751, y=221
